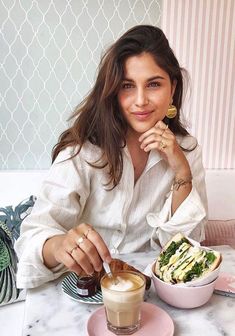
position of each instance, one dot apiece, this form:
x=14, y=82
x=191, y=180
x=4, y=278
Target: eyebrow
x=148, y=80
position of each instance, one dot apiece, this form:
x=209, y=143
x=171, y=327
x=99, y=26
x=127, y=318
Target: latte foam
x=121, y=284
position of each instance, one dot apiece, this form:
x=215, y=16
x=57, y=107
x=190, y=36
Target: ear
x=173, y=86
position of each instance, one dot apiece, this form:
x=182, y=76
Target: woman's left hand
x=162, y=139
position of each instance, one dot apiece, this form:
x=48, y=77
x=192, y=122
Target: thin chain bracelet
x=180, y=182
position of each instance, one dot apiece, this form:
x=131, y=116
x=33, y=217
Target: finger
x=159, y=128
x=71, y=264
x=165, y=130
x=90, y=250
x=155, y=145
x=150, y=139
x=88, y=231
x=69, y=245
x=82, y=260
x=100, y=245
x=159, y=145
x=160, y=124
x=168, y=134
x=157, y=137
x=151, y=131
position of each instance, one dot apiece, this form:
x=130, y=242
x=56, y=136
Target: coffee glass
x=122, y=296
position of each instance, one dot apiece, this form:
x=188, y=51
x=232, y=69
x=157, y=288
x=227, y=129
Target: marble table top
x=48, y=311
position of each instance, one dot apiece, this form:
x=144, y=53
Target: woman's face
x=145, y=93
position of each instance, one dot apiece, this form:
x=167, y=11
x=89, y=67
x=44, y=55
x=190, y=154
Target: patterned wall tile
x=49, y=51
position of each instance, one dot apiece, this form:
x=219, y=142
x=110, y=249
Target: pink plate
x=154, y=320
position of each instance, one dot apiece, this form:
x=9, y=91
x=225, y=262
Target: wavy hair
x=98, y=118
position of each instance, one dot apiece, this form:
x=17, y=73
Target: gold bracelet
x=180, y=182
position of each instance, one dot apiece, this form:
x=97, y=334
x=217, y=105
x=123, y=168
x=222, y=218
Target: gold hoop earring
x=171, y=112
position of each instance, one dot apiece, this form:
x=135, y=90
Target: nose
x=141, y=98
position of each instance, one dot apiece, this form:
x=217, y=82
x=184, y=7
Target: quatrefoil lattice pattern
x=49, y=52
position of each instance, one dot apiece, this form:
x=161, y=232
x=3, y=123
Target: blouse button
x=114, y=251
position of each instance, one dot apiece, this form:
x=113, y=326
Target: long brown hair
x=98, y=118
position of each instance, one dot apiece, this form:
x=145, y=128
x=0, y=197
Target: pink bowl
x=182, y=297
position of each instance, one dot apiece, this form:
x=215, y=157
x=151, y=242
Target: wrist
x=50, y=250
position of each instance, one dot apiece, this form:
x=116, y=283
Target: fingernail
x=108, y=259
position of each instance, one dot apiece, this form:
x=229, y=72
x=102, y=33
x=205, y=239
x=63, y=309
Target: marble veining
x=48, y=311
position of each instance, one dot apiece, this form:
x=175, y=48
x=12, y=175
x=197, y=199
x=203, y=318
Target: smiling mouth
x=142, y=115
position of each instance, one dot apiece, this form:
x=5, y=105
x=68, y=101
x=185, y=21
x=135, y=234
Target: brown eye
x=127, y=86
x=153, y=84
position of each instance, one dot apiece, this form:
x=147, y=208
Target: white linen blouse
x=131, y=217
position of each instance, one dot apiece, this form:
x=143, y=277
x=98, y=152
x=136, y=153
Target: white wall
x=202, y=35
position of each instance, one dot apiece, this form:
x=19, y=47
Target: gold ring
x=72, y=250
x=80, y=240
x=87, y=233
x=162, y=145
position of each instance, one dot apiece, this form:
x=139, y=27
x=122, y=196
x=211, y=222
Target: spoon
x=110, y=274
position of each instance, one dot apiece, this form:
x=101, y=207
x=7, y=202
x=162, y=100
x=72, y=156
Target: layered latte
x=122, y=296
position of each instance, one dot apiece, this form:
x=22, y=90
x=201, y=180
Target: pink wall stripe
x=202, y=35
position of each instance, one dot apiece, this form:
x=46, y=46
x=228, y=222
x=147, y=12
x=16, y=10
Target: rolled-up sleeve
x=190, y=216
x=56, y=211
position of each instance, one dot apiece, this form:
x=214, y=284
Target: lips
x=142, y=115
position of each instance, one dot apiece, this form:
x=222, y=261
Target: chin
x=143, y=128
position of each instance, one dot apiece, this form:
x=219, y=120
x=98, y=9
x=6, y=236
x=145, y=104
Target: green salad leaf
x=170, y=251
x=195, y=272
x=210, y=258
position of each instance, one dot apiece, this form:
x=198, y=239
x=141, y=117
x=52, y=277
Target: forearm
x=182, y=187
x=49, y=251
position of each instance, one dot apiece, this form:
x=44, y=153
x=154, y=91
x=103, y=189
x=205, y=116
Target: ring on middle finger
x=162, y=145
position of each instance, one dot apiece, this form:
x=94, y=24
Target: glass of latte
x=123, y=294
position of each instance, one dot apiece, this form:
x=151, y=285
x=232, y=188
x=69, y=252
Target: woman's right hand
x=82, y=249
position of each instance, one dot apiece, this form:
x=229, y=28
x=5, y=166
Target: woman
x=126, y=175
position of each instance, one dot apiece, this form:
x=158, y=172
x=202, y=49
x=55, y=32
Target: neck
x=133, y=139
x=138, y=156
